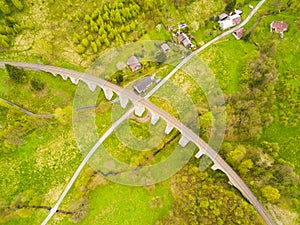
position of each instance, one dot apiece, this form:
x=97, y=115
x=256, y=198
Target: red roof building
x=238, y=34
x=134, y=63
x=236, y=19
x=279, y=27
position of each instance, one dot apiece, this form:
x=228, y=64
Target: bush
x=94, y=47
x=80, y=49
x=16, y=74
x=18, y=4
x=230, y=6
x=85, y=42
x=4, y=7
x=36, y=84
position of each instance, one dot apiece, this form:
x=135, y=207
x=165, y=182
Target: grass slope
x=117, y=204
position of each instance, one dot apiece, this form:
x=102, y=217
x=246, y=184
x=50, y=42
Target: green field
x=110, y=204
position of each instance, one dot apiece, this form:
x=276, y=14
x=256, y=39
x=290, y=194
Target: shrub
x=36, y=84
x=16, y=74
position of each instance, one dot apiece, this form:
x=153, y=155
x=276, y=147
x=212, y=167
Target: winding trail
x=26, y=111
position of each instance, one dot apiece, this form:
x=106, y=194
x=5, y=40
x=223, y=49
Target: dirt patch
x=52, y=196
x=285, y=216
x=144, y=119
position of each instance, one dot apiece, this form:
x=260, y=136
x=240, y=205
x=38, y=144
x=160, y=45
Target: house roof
x=239, y=33
x=132, y=60
x=144, y=84
x=184, y=39
x=279, y=26
x=230, y=21
x=133, y=63
x=187, y=43
x=235, y=16
x=238, y=11
x=165, y=47
x=235, y=19
x=223, y=16
x=181, y=37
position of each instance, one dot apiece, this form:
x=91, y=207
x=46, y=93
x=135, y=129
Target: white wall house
x=230, y=21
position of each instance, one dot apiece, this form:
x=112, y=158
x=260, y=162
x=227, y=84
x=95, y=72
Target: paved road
x=218, y=161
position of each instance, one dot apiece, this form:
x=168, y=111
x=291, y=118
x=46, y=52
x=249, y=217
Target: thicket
x=203, y=198
x=17, y=126
x=263, y=167
x=36, y=84
x=230, y=6
x=9, y=26
x=250, y=110
x=19, y=76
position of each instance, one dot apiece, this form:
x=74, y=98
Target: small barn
x=238, y=12
x=165, y=47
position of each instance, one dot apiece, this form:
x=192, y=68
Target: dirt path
x=26, y=111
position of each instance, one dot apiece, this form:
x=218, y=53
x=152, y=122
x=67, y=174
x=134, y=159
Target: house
x=230, y=21
x=134, y=63
x=238, y=12
x=222, y=16
x=238, y=34
x=165, y=47
x=142, y=86
x=184, y=40
x=279, y=27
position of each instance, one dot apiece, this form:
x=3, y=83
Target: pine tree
x=85, y=42
x=16, y=74
x=4, y=41
x=80, y=49
x=4, y=7
x=94, y=47
x=18, y=4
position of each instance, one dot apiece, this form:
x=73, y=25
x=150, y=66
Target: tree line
x=9, y=27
